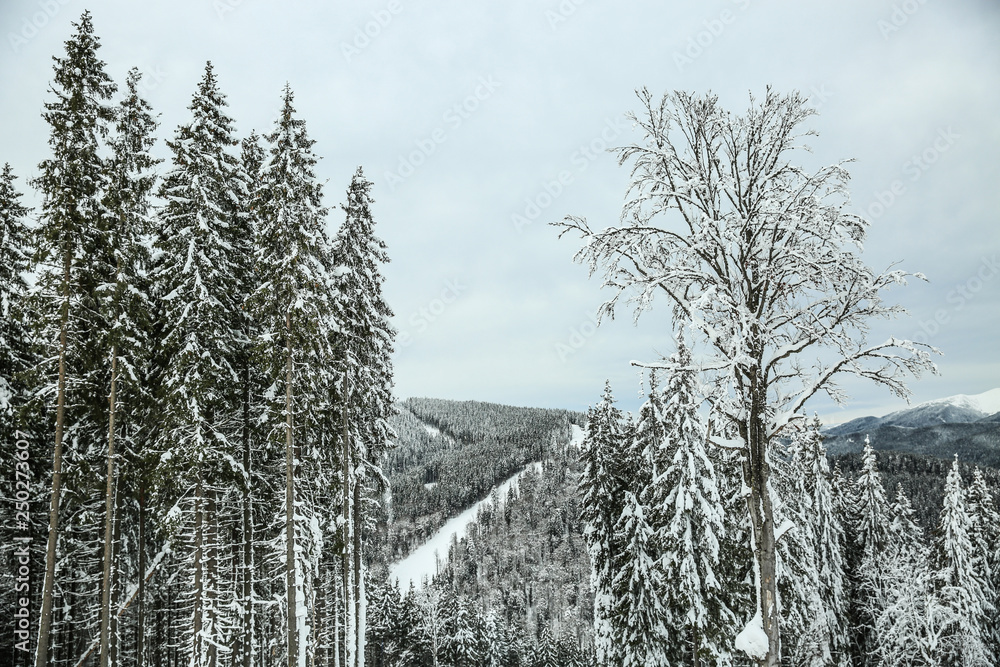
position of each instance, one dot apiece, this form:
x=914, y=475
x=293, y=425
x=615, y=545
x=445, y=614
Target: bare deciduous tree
x=761, y=262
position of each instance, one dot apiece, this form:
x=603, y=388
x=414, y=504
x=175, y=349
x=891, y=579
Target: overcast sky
x=466, y=114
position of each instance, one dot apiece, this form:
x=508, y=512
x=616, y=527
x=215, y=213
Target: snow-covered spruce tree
x=290, y=306
x=686, y=507
x=364, y=391
x=126, y=301
x=14, y=337
x=986, y=539
x=71, y=184
x=906, y=535
x=546, y=652
x=197, y=278
x=15, y=359
x=803, y=629
x=636, y=608
x=960, y=575
x=912, y=628
x=912, y=621
x=760, y=260
x=871, y=520
x=828, y=534
x=251, y=383
x=603, y=491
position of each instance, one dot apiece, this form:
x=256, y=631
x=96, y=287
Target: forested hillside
x=514, y=592
x=449, y=454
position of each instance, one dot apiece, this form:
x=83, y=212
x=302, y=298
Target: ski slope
x=422, y=563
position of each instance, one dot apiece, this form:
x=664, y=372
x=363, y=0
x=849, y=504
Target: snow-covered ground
x=576, y=439
x=433, y=431
x=423, y=561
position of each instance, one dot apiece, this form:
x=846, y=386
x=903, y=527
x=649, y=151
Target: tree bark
x=290, y=503
x=140, y=630
x=211, y=576
x=762, y=519
x=199, y=579
x=45, y=623
x=359, y=635
x=114, y=639
x=109, y=506
x=246, y=641
x=347, y=526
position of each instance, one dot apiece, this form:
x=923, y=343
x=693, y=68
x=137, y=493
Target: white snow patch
x=433, y=432
x=785, y=526
x=752, y=640
x=430, y=485
x=576, y=438
x=423, y=561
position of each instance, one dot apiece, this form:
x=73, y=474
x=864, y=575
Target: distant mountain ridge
x=958, y=409
x=963, y=425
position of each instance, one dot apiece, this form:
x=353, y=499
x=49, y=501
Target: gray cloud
x=564, y=70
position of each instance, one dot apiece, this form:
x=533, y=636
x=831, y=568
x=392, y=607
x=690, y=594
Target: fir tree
x=72, y=185
x=828, y=531
x=870, y=510
x=365, y=340
x=804, y=627
x=14, y=263
x=128, y=226
x=291, y=306
x=637, y=613
x=16, y=358
x=986, y=539
x=603, y=491
x=960, y=574
x=197, y=277
x=687, y=504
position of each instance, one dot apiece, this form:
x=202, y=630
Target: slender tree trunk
x=762, y=521
x=114, y=641
x=45, y=623
x=247, y=621
x=211, y=577
x=348, y=540
x=335, y=637
x=141, y=592
x=197, y=656
x=359, y=584
x=290, y=583
x=109, y=518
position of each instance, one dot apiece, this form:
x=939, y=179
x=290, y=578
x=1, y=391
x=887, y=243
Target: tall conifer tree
x=72, y=183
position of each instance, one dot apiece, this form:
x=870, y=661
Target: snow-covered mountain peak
x=987, y=402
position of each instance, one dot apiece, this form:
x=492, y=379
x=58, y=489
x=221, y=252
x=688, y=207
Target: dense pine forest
x=195, y=387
